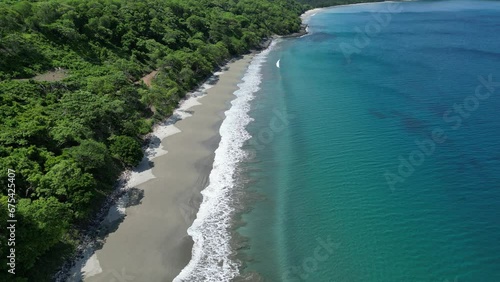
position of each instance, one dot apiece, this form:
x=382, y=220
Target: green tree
x=44, y=221
x=67, y=182
x=127, y=150
x=90, y=155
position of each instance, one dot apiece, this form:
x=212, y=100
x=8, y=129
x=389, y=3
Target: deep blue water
x=345, y=191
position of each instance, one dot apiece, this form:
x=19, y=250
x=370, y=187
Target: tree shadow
x=95, y=238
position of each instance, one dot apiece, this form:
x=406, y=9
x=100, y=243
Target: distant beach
x=309, y=13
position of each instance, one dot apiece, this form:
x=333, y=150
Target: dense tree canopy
x=326, y=3
x=69, y=133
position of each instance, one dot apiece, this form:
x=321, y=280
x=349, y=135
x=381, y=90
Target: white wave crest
x=211, y=252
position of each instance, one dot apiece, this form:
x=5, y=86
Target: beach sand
x=306, y=16
x=152, y=244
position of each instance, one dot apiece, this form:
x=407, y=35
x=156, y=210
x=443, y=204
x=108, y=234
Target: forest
x=73, y=112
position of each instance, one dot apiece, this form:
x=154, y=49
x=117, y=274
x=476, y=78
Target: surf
x=210, y=232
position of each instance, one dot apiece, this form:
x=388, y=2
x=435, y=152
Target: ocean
x=367, y=150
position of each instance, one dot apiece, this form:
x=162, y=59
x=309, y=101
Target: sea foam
x=211, y=254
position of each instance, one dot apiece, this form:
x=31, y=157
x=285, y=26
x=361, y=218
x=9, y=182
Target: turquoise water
x=345, y=193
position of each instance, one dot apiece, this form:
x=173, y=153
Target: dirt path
x=149, y=78
x=51, y=76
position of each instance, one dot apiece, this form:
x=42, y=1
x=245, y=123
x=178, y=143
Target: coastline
x=212, y=230
x=136, y=201
x=158, y=201
x=306, y=16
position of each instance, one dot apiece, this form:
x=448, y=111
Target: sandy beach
x=152, y=244
x=308, y=14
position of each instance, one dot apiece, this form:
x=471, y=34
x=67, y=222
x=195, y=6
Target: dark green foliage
x=127, y=150
x=67, y=182
x=47, y=220
x=43, y=223
x=91, y=155
x=69, y=133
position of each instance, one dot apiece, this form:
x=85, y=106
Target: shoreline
x=132, y=184
x=213, y=253
x=161, y=195
x=306, y=16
